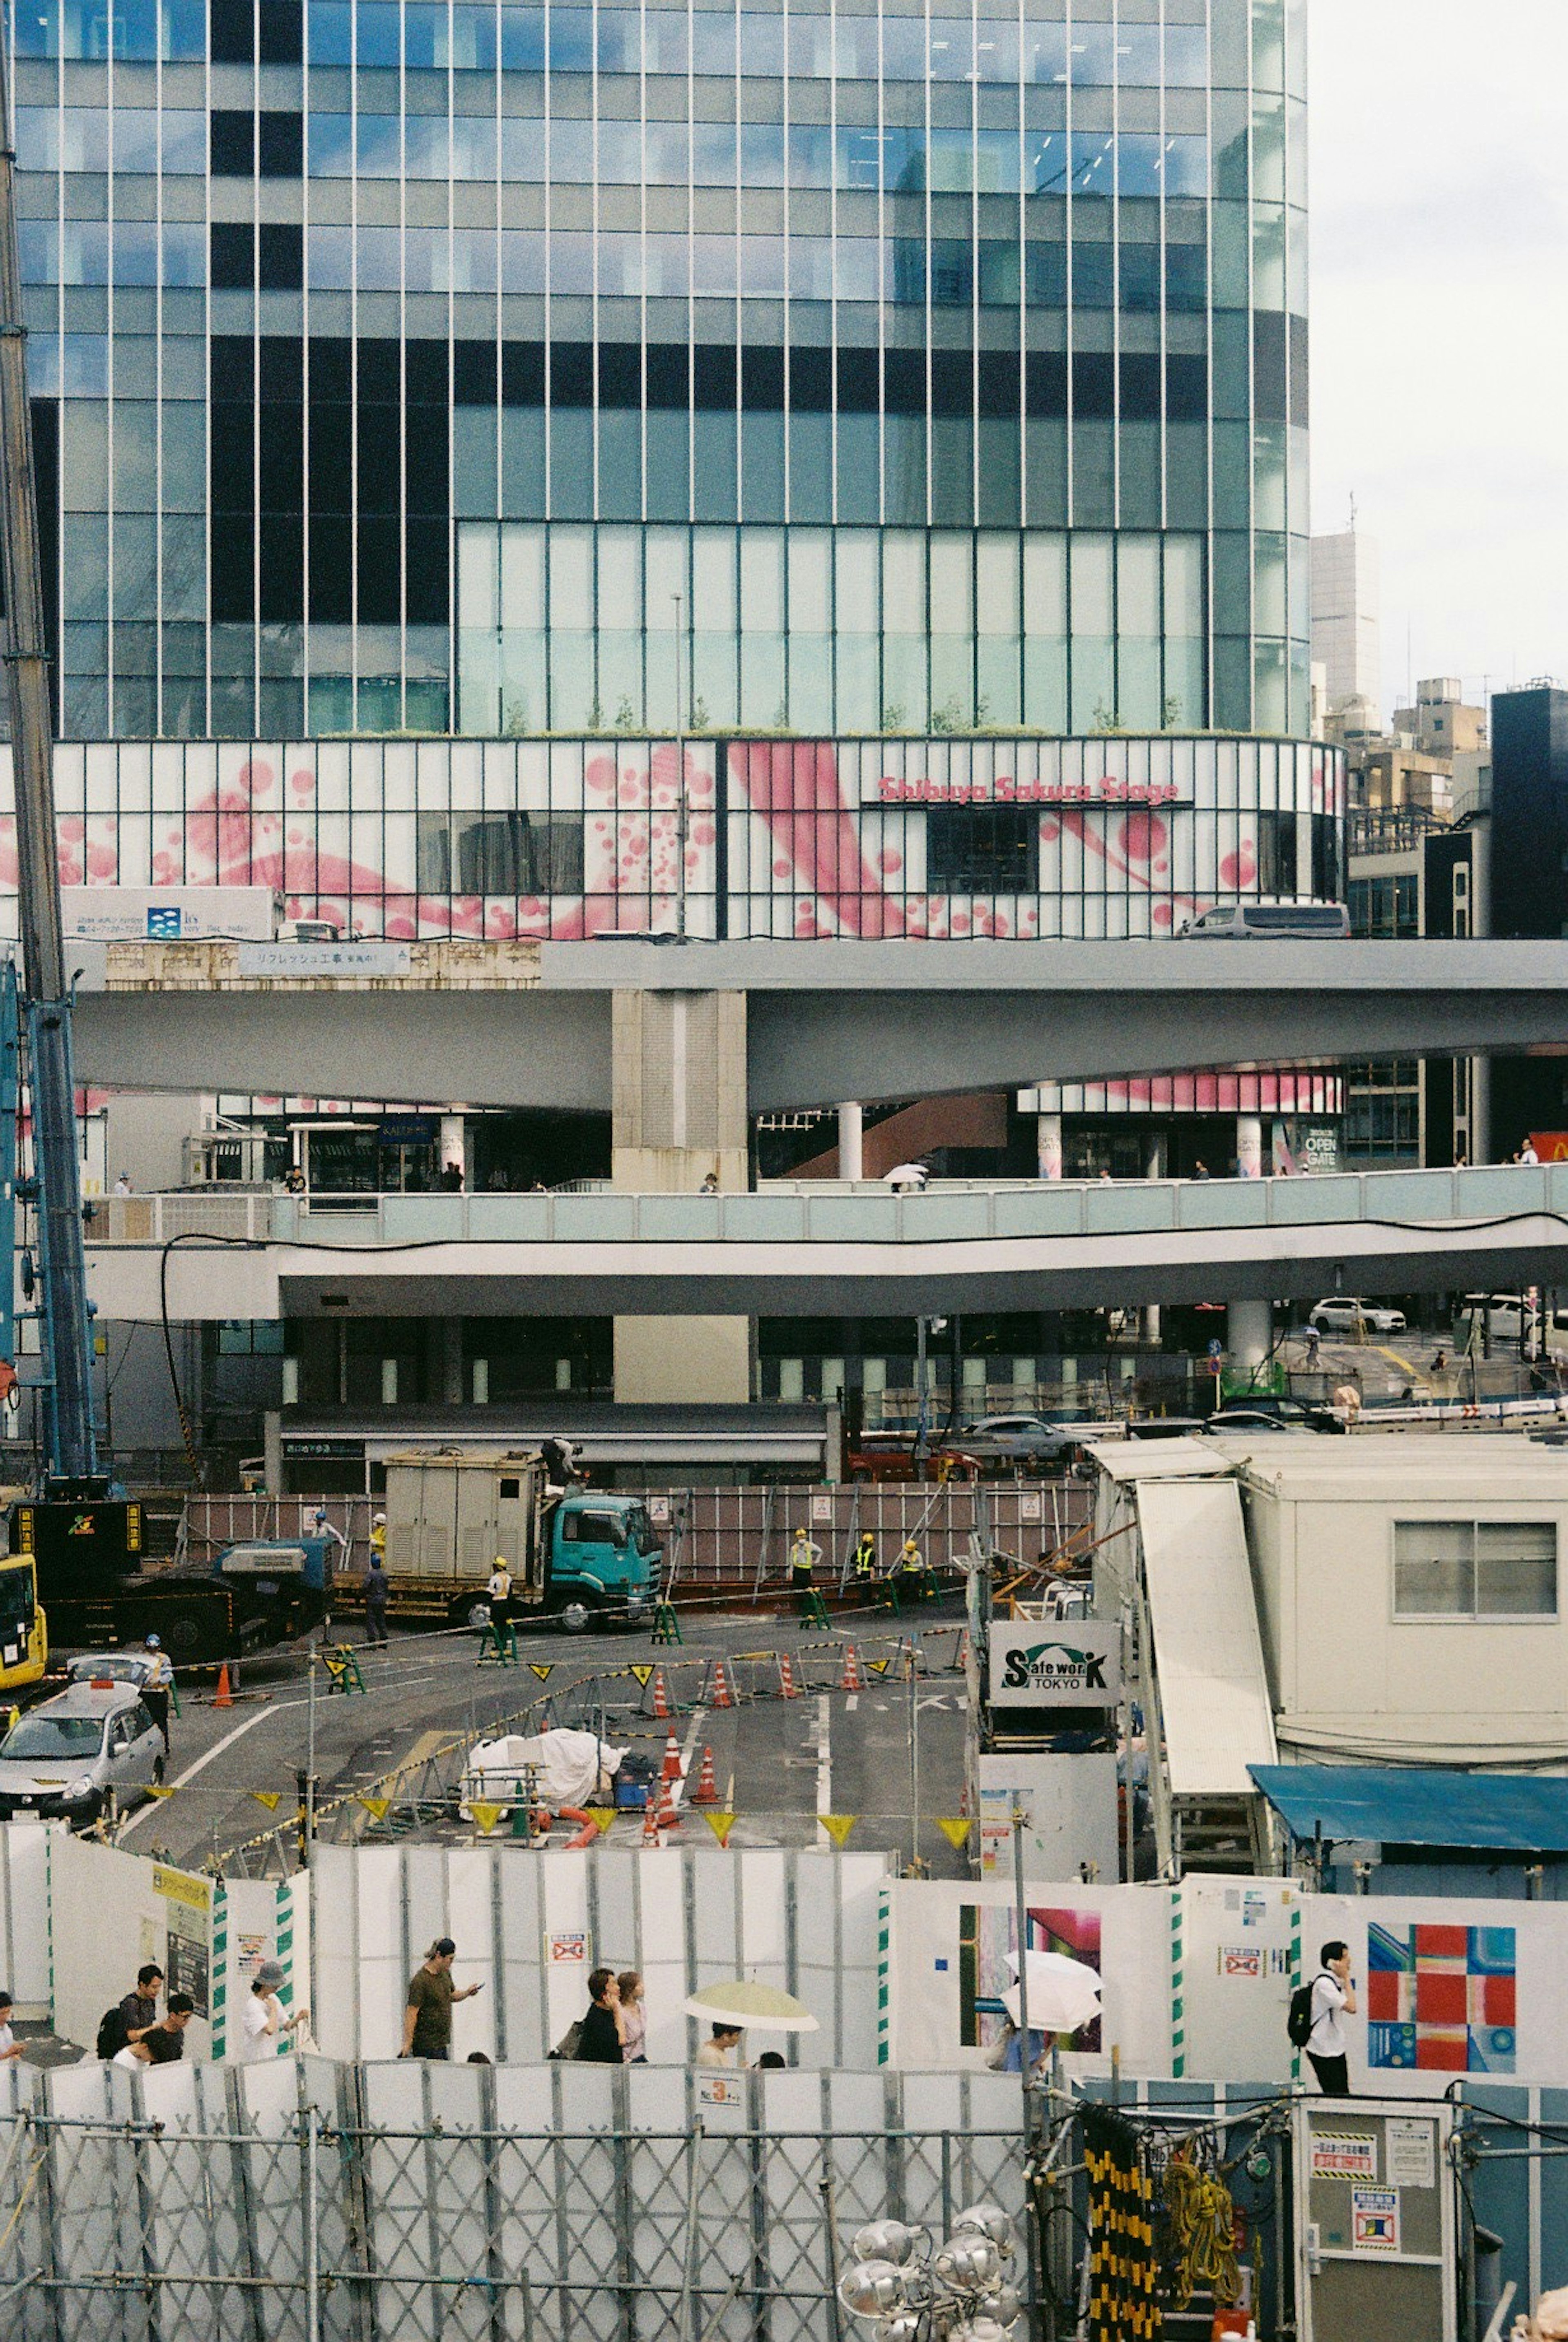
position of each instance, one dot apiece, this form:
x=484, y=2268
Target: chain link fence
x=306, y=2201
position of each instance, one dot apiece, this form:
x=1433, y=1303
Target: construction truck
x=582, y=1556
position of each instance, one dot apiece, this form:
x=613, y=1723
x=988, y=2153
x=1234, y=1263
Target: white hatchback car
x=1350, y=1316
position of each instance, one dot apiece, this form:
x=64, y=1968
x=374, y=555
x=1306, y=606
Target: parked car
x=1028, y=1439
x=1269, y=1411
x=109, y=1667
x=64, y=1757
x=1340, y=1315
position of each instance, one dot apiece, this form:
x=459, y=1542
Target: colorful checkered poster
x=1441, y=1999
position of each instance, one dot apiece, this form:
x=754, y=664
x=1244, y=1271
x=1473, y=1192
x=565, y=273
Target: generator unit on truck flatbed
x=582, y=1554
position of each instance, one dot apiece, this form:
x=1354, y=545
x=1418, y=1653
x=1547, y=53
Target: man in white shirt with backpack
x=1332, y=1998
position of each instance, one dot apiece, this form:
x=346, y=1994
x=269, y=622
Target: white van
x=1269, y=922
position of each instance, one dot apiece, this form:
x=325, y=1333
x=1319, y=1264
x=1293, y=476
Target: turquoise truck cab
x=604, y=1558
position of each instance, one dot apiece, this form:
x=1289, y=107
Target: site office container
x=449, y=1516
x=1409, y=1591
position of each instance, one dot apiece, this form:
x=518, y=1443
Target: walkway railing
x=830, y=1212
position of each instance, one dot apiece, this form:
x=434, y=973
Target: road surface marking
x=678, y=1788
x=217, y=1749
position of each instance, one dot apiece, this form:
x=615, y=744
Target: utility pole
x=70, y=1448
x=680, y=790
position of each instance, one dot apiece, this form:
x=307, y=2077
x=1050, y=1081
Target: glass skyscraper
x=450, y=368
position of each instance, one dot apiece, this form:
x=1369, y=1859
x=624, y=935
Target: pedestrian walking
x=427, y=2013
x=375, y=1593
x=633, y=2017
x=264, y=2027
x=162, y=2044
x=1527, y=1153
x=157, y=1685
x=9, y=2044
x=498, y=1589
x=804, y=1556
x=718, y=2051
x=139, y=2009
x=602, y=2041
x=1313, y=1341
x=866, y=1557
x=1332, y=1998
x=123, y=1185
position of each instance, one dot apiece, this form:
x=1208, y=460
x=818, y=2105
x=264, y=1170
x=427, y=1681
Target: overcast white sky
x=1440, y=323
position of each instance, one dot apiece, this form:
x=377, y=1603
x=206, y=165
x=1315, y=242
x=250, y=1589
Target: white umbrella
x=759, y=2006
x=1063, y=1994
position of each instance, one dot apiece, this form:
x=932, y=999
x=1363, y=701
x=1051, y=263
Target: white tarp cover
x=568, y=1764
x=1208, y=1654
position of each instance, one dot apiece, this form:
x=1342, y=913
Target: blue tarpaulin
x=1419, y=1806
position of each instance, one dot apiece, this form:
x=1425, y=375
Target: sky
x=1439, y=155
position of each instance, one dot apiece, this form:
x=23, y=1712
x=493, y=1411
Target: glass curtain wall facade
x=398, y=362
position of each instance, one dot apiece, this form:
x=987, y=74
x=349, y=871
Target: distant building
x=1345, y=619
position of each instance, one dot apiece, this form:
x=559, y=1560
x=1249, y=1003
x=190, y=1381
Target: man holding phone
x=1332, y=1997
x=427, y=2017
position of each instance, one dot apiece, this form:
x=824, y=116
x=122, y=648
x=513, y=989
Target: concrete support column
x=1048, y=1144
x=678, y=1118
x=1249, y=1333
x=454, y=1143
x=1249, y=1147
x=1480, y=1110
x=852, y=1141
x=1154, y=1155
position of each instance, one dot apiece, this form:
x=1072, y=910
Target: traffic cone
x=788, y=1688
x=721, y=1686
x=661, y=1697
x=651, y=1822
x=852, y=1681
x=668, y=1818
x=224, y=1697
x=672, y=1765
x=706, y=1792
x=964, y=1652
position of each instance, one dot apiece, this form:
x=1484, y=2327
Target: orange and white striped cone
x=668, y=1818
x=661, y=1697
x=788, y=1688
x=722, y=1697
x=852, y=1681
x=671, y=1769
x=964, y=1652
x=651, y=1822
x=706, y=1792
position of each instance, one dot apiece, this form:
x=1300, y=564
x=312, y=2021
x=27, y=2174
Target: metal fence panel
x=410, y=2202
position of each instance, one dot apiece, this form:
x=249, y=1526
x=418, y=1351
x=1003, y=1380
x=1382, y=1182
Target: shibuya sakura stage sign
x=1005, y=790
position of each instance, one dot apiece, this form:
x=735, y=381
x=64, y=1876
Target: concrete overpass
x=805, y=1249
x=823, y=1021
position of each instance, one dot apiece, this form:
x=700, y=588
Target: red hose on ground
x=589, y=1831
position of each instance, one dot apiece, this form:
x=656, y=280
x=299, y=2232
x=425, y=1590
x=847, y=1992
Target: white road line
x=824, y=1758
x=678, y=1788
x=217, y=1749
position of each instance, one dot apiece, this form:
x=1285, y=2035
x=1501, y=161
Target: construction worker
x=803, y=1558
x=499, y=1590
x=378, y=1536
x=866, y=1557
x=156, y=1686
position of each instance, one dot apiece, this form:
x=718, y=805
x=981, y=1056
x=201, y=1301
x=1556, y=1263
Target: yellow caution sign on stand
x=485, y=1814
x=838, y=1826
x=954, y=1828
x=720, y=1826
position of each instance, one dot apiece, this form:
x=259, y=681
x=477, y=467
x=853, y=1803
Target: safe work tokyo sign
x=1049, y=1663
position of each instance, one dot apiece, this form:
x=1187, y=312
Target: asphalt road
x=778, y=1763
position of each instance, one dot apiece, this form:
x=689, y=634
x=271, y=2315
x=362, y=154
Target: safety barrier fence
x=638, y=1702
x=307, y=2201
x=730, y=1537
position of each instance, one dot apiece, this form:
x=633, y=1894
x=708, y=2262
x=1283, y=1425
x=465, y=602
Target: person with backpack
x=1314, y=2025
x=129, y=2018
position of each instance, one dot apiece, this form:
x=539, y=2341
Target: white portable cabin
x=1410, y=1595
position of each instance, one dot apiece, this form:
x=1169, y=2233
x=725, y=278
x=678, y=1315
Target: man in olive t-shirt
x=427, y=2017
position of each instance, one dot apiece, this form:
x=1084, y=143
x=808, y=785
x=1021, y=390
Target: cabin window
x=1475, y=1569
